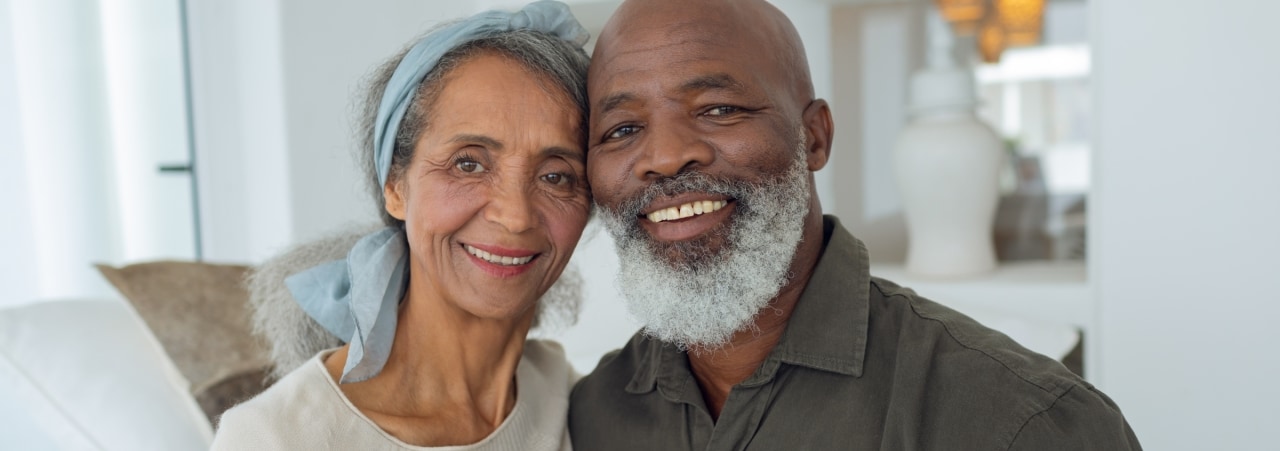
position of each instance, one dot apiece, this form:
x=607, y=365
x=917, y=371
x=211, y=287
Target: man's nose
x=670, y=149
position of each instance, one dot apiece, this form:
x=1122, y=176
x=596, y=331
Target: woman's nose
x=511, y=207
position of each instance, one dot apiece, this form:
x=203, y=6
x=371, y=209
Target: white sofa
x=88, y=374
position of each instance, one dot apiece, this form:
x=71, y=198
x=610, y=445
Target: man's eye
x=622, y=132
x=723, y=110
x=469, y=166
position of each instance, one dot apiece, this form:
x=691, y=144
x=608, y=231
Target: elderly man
x=763, y=329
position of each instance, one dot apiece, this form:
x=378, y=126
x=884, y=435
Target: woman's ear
x=394, y=199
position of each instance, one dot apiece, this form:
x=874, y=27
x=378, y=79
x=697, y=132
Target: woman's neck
x=449, y=374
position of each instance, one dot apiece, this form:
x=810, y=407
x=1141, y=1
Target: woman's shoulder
x=548, y=359
x=546, y=355
x=286, y=415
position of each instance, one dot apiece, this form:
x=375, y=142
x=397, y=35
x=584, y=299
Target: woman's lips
x=499, y=261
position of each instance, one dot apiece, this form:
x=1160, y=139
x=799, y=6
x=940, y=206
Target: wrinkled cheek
x=608, y=183
x=433, y=220
x=565, y=223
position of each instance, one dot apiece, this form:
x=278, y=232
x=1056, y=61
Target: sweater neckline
x=517, y=412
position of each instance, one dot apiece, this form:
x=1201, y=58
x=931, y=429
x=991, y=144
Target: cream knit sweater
x=305, y=410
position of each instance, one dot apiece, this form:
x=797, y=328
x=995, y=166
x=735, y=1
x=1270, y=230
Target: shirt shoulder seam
x=1016, y=434
x=909, y=298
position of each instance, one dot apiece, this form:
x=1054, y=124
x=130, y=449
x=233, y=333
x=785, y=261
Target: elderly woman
x=477, y=146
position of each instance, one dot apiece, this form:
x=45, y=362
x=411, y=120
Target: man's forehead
x=682, y=53
x=665, y=40
x=660, y=45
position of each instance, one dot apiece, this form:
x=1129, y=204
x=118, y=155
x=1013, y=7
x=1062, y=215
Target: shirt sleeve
x=1082, y=418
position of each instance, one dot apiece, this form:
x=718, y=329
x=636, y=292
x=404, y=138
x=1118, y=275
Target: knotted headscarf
x=356, y=299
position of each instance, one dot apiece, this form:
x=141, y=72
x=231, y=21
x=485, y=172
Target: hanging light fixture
x=1023, y=21
x=991, y=39
x=964, y=15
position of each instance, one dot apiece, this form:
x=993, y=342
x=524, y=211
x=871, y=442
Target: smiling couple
x=693, y=133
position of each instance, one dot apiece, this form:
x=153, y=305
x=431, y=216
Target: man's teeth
x=686, y=210
x=497, y=259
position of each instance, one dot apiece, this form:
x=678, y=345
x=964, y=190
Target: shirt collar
x=827, y=330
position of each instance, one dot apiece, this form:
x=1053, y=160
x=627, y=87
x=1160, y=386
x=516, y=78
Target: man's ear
x=394, y=199
x=818, y=126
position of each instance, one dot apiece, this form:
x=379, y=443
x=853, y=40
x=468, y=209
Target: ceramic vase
x=948, y=166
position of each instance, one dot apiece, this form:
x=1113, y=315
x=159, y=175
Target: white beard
x=702, y=299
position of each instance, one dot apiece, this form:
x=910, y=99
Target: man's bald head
x=752, y=30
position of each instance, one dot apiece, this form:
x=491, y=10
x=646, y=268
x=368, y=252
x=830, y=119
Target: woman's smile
x=501, y=262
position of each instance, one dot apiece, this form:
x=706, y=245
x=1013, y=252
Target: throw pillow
x=199, y=312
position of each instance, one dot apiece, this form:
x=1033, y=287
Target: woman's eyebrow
x=478, y=139
x=565, y=152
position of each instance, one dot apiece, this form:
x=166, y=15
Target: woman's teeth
x=686, y=210
x=496, y=259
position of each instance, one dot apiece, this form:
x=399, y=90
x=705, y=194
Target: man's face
x=697, y=159
x=672, y=99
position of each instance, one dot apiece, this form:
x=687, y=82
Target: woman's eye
x=723, y=110
x=469, y=166
x=556, y=178
x=622, y=132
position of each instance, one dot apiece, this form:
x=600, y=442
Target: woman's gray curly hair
x=295, y=337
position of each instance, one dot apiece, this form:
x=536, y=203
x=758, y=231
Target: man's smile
x=685, y=216
x=686, y=210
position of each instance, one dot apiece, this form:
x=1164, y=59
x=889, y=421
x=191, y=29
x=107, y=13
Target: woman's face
x=495, y=198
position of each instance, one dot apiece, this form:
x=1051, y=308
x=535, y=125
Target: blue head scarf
x=356, y=299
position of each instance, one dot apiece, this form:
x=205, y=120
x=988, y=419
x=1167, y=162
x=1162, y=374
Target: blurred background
x=1136, y=228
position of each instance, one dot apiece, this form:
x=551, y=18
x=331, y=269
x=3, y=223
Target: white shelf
x=1045, y=291
x=1036, y=303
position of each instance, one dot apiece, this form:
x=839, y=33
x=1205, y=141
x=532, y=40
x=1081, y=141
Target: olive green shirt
x=863, y=365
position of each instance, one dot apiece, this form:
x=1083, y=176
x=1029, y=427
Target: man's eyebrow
x=614, y=101
x=478, y=139
x=717, y=81
x=709, y=82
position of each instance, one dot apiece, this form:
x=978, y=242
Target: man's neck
x=717, y=371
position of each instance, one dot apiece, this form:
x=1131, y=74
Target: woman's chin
x=499, y=309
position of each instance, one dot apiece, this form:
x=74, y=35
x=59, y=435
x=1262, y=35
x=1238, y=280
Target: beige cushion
x=199, y=312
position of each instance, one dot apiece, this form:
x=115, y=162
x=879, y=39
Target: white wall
x=240, y=139
x=1184, y=219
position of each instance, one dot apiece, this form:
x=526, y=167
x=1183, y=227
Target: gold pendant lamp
x=1023, y=21
x=991, y=39
x=964, y=15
